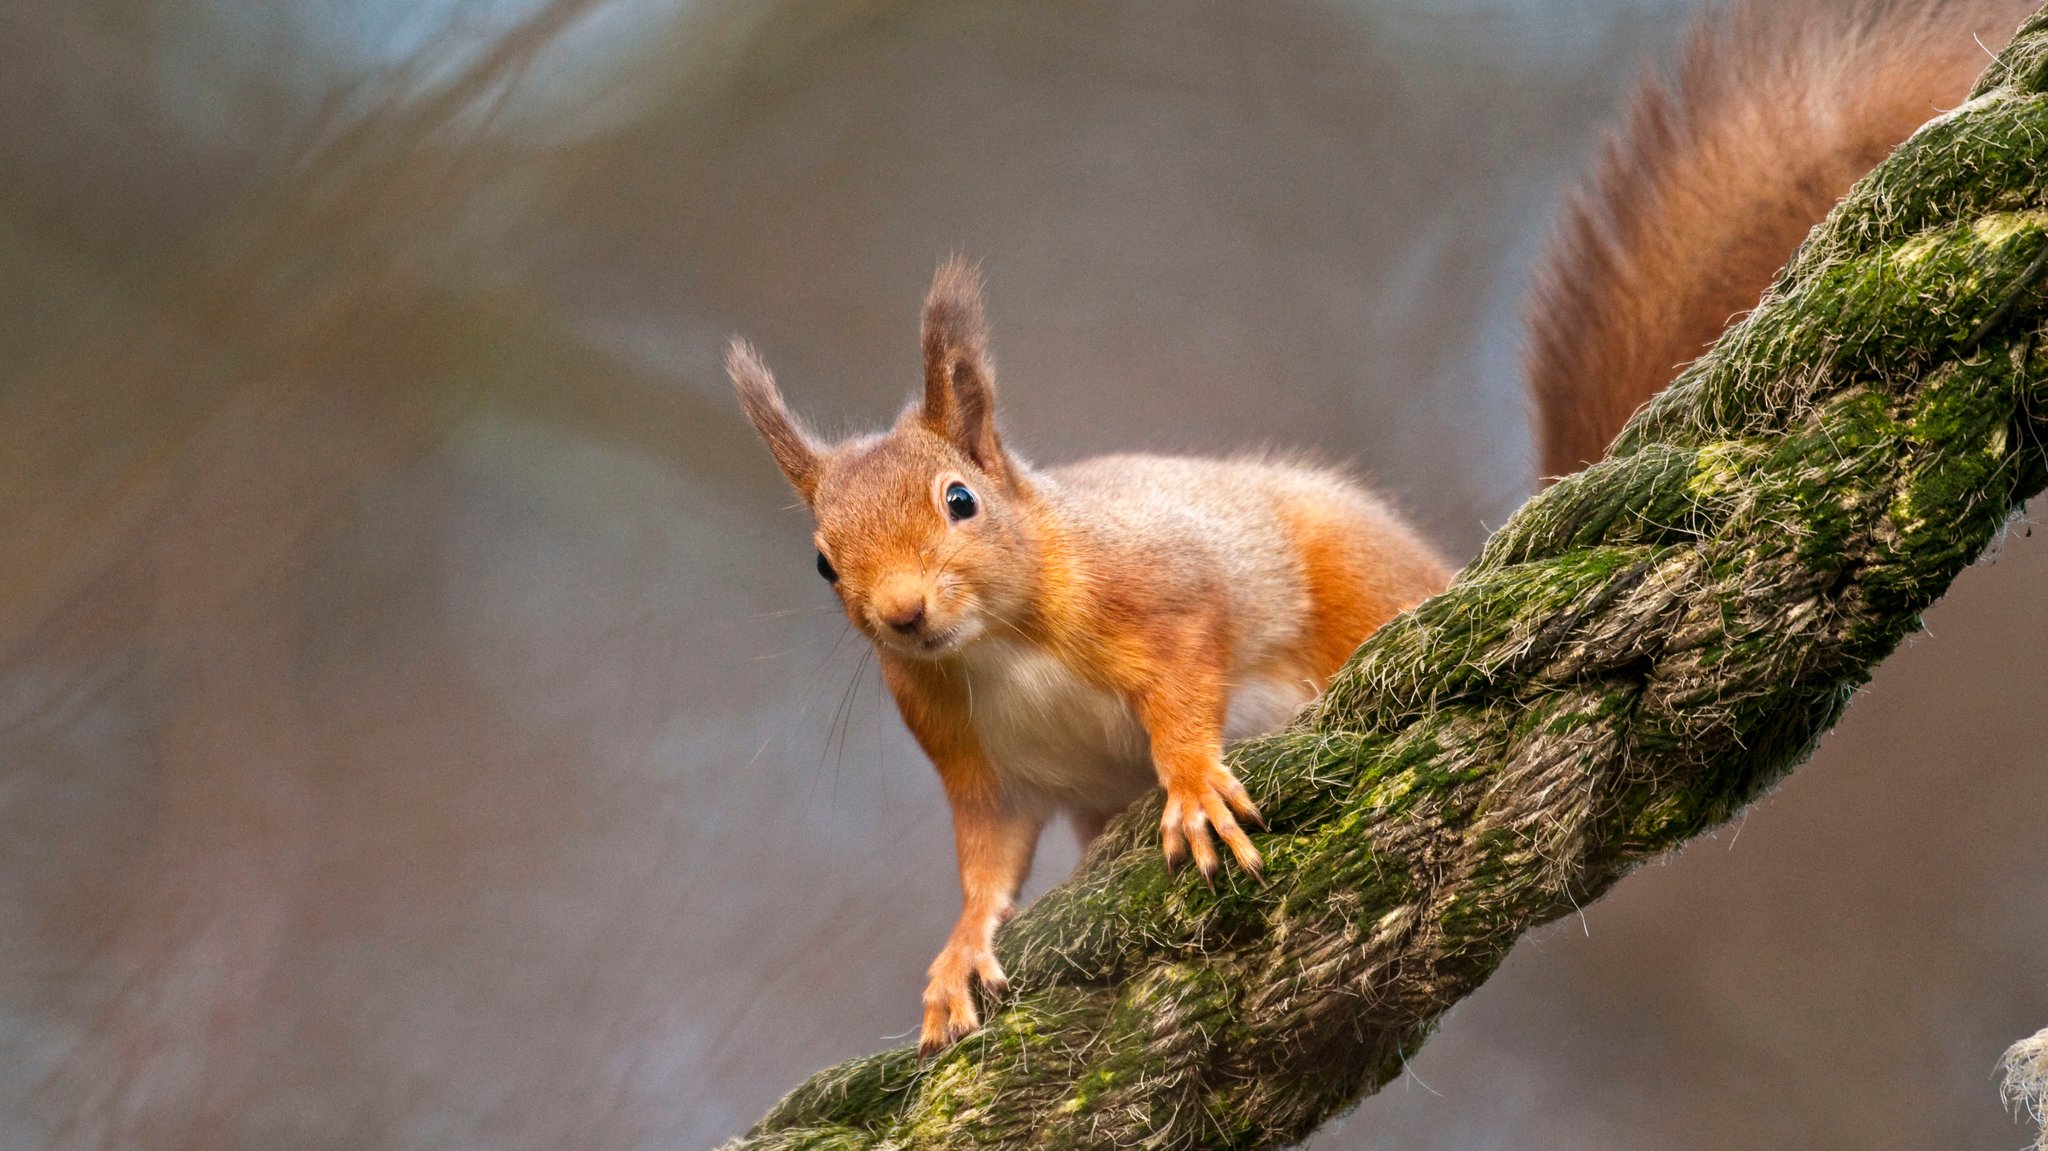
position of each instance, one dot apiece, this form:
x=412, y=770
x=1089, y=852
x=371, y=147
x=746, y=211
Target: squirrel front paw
x=1212, y=798
x=949, y=1013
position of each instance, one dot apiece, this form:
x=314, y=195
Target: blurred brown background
x=420, y=725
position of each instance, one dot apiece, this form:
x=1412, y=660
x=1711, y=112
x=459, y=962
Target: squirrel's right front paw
x=949, y=1013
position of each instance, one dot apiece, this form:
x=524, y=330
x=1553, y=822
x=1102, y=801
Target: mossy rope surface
x=1638, y=653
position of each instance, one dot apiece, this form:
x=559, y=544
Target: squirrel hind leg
x=1360, y=566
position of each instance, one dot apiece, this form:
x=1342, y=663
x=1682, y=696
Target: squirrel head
x=923, y=530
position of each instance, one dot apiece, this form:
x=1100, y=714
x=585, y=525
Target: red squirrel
x=1061, y=640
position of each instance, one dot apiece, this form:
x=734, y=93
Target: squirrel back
x=1720, y=168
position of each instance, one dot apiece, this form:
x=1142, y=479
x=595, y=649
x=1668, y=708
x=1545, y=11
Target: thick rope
x=1641, y=651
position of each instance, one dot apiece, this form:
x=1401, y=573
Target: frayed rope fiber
x=1638, y=653
x=2026, y=1081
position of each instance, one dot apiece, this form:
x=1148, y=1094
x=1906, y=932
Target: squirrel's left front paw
x=949, y=1013
x=1211, y=799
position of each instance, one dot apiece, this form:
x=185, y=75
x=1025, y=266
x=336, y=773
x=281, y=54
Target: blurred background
x=421, y=726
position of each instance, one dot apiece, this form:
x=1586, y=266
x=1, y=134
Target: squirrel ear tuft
x=959, y=379
x=795, y=452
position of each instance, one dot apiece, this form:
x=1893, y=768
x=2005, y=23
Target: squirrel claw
x=1211, y=804
x=945, y=1024
x=949, y=1010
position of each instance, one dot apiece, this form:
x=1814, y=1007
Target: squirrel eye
x=826, y=569
x=960, y=503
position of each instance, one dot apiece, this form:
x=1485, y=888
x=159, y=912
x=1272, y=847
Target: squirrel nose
x=905, y=615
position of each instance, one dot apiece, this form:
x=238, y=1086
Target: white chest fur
x=1061, y=742
x=1051, y=735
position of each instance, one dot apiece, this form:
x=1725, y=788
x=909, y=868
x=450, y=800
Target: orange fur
x=1354, y=585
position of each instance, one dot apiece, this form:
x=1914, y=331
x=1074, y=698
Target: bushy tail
x=1721, y=168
